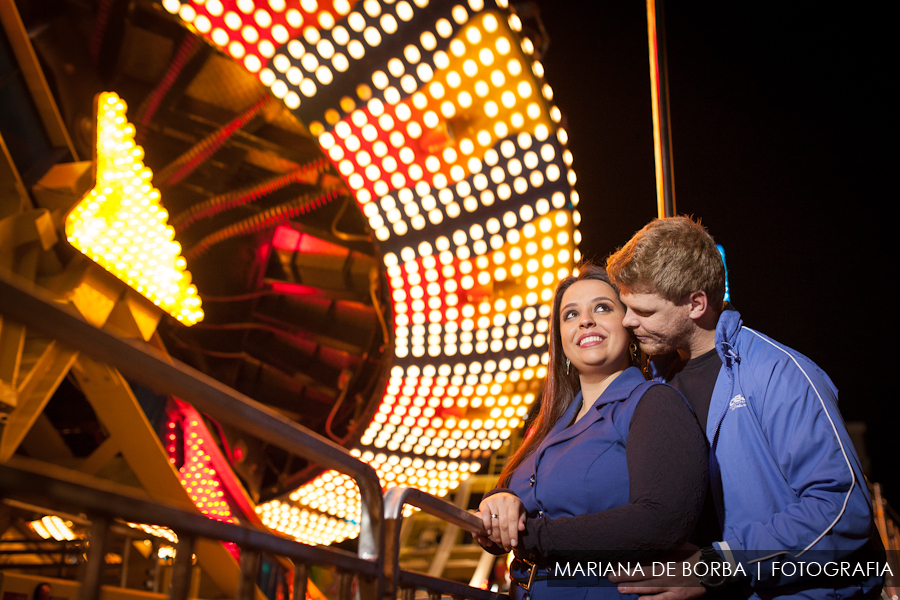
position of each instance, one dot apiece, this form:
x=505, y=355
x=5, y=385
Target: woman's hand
x=503, y=516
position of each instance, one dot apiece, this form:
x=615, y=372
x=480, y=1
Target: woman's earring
x=633, y=348
x=567, y=366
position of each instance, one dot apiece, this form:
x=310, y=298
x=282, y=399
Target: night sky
x=780, y=130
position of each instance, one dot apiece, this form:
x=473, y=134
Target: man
x=784, y=477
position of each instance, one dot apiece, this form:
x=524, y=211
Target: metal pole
x=126, y=556
x=659, y=93
x=301, y=573
x=182, y=568
x=249, y=568
x=93, y=577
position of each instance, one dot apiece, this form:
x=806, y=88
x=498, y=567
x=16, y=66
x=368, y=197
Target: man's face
x=660, y=325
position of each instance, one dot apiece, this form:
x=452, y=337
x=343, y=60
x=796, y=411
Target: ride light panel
x=120, y=224
x=437, y=116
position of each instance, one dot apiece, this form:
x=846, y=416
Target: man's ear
x=699, y=304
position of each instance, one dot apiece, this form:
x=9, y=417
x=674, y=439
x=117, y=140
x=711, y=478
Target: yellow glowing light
x=121, y=225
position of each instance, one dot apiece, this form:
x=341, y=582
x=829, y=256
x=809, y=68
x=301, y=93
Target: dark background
x=780, y=129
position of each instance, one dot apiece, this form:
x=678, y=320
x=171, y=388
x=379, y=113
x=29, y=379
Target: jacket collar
x=620, y=389
x=727, y=330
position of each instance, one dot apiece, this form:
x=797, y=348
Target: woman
x=613, y=464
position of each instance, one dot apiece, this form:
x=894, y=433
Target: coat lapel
x=617, y=391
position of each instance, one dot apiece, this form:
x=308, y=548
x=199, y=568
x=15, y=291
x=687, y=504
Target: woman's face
x=590, y=324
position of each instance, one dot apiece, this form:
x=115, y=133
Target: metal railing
x=104, y=502
x=406, y=582
x=36, y=309
x=378, y=572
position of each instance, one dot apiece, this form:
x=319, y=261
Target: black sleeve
x=667, y=477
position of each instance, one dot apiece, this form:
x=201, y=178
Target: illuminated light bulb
x=233, y=20
x=356, y=21
x=448, y=109
x=172, y=6
x=249, y=33
x=340, y=35
x=444, y=28
x=203, y=24
x=412, y=54
x=395, y=66
x=356, y=50
x=340, y=63
x=404, y=11
x=457, y=47
x=424, y=72
x=326, y=21
x=431, y=119
x=252, y=63
x=294, y=18
x=324, y=75
x=486, y=57
x=388, y=23
x=294, y=76
x=372, y=36
x=309, y=61
x=553, y=172
x=262, y=18
x=409, y=83
x=372, y=8
x=325, y=49
x=187, y=13
x=428, y=41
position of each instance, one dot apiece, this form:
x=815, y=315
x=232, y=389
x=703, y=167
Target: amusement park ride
x=353, y=213
x=262, y=262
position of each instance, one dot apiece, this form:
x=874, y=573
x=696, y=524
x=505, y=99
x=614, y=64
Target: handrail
x=397, y=497
x=104, y=498
x=394, y=501
x=32, y=306
x=104, y=501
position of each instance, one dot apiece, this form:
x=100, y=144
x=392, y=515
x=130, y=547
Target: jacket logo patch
x=737, y=402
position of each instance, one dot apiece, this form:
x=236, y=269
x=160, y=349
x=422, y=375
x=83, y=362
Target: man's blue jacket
x=786, y=479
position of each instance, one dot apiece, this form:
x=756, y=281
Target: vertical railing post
x=301, y=574
x=182, y=568
x=345, y=585
x=249, y=568
x=96, y=558
x=391, y=556
x=126, y=556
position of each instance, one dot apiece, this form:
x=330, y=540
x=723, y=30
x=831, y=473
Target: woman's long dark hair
x=560, y=387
